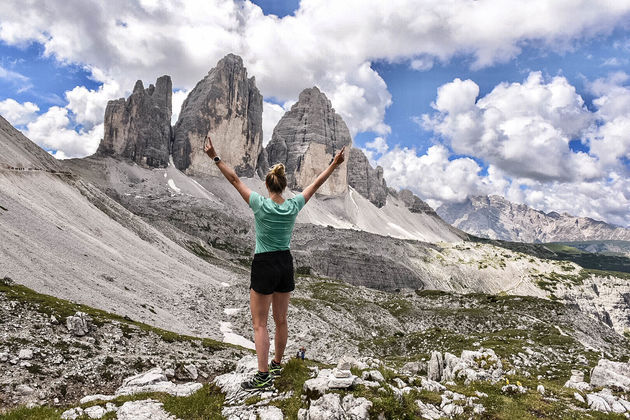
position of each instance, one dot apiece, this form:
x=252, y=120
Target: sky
x=453, y=98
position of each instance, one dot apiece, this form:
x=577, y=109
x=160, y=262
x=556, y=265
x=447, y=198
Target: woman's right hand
x=339, y=157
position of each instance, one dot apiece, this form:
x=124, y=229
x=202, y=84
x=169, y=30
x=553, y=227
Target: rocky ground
x=370, y=354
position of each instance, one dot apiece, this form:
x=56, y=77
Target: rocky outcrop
x=306, y=139
x=366, y=180
x=139, y=128
x=227, y=105
x=495, y=217
x=414, y=203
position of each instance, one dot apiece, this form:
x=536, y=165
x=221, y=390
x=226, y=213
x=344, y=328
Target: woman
x=272, y=268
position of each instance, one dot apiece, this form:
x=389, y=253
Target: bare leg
x=280, y=307
x=259, y=305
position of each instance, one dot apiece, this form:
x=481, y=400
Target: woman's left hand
x=209, y=148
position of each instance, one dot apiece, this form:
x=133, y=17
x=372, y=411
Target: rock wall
x=366, y=180
x=414, y=203
x=306, y=140
x=227, y=105
x=139, y=128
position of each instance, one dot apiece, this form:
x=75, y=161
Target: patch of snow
x=232, y=338
x=172, y=185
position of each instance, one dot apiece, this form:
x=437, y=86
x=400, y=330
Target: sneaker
x=275, y=369
x=259, y=381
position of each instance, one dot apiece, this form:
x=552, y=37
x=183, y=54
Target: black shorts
x=272, y=272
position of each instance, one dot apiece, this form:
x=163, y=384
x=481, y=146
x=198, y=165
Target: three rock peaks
x=228, y=105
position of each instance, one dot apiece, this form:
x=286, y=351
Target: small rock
x=24, y=390
x=270, y=413
x=338, y=373
x=170, y=373
x=373, y=375
x=95, y=412
x=72, y=413
x=54, y=320
x=345, y=363
x=78, y=324
x=25, y=354
x=4, y=357
x=540, y=389
x=400, y=383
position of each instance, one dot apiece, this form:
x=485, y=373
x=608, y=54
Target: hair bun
x=278, y=169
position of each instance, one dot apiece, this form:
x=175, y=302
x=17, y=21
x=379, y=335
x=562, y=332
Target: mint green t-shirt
x=274, y=222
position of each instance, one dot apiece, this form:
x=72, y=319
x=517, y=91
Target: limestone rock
x=414, y=203
x=373, y=375
x=72, y=414
x=435, y=367
x=78, y=324
x=366, y=180
x=577, y=381
x=306, y=139
x=143, y=410
x=228, y=105
x=95, y=412
x=150, y=377
x=611, y=374
x=25, y=354
x=24, y=390
x=330, y=406
x=270, y=413
x=139, y=128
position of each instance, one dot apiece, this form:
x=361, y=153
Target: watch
x=217, y=159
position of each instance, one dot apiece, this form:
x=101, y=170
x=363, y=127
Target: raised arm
x=227, y=172
x=312, y=189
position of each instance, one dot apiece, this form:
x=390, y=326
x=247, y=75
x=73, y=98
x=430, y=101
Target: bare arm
x=312, y=189
x=228, y=172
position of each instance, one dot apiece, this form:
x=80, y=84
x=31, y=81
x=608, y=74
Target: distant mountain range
x=495, y=217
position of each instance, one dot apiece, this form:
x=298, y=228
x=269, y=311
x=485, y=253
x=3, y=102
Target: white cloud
x=325, y=43
x=522, y=128
x=88, y=106
x=421, y=63
x=22, y=82
x=179, y=96
x=53, y=130
x=271, y=115
x=17, y=113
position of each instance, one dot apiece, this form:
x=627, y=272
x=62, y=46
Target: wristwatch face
x=217, y=159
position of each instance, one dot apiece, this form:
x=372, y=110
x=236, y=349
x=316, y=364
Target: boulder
x=143, y=410
x=330, y=406
x=576, y=381
x=227, y=105
x=139, y=128
x=72, y=414
x=306, y=139
x=435, y=367
x=611, y=374
x=270, y=413
x=78, y=324
x=366, y=180
x=150, y=377
x=373, y=375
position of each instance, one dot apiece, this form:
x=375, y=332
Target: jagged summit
x=139, y=128
x=227, y=104
x=495, y=217
x=305, y=141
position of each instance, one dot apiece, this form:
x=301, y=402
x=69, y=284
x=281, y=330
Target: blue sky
x=533, y=65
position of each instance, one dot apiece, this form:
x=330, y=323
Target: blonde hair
x=276, y=180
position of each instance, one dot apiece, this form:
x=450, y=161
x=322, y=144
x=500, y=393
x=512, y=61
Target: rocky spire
x=139, y=128
x=366, y=180
x=229, y=106
x=305, y=141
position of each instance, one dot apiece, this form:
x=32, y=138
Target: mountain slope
x=64, y=237
x=495, y=217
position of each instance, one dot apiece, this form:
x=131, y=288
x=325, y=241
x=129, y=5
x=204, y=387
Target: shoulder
x=255, y=200
x=298, y=201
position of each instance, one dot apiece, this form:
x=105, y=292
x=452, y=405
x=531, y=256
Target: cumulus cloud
x=522, y=128
x=271, y=115
x=522, y=132
x=54, y=130
x=325, y=43
x=17, y=113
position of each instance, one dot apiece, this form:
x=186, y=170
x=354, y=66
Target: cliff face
x=227, y=105
x=306, y=140
x=366, y=180
x=139, y=128
x=495, y=217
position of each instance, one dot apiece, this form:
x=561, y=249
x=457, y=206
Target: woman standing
x=272, y=268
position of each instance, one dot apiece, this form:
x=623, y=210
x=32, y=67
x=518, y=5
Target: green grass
x=204, y=404
x=37, y=413
x=294, y=373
